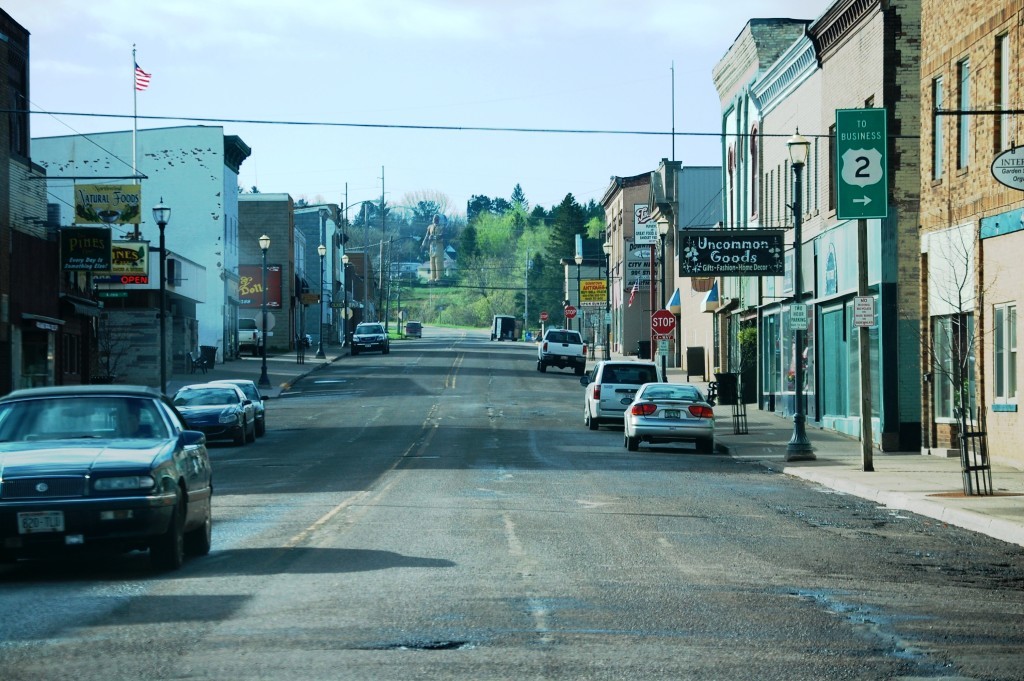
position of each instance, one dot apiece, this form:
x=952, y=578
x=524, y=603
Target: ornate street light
x=344, y=311
x=264, y=246
x=607, y=248
x=579, y=306
x=162, y=215
x=321, y=251
x=799, y=447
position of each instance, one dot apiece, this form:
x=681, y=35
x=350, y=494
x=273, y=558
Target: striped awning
x=711, y=299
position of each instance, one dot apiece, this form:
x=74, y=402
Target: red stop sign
x=570, y=311
x=663, y=323
x=543, y=316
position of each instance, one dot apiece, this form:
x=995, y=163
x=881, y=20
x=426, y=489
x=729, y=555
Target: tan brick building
x=972, y=225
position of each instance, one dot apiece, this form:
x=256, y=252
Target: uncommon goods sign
x=731, y=253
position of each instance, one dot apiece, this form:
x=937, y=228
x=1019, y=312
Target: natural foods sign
x=107, y=204
x=731, y=253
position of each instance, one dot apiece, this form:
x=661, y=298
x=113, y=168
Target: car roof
x=212, y=384
x=235, y=381
x=84, y=391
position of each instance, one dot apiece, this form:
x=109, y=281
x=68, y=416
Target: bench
x=196, y=361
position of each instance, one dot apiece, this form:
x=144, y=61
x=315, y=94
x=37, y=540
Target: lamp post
x=799, y=447
x=663, y=228
x=344, y=310
x=579, y=308
x=162, y=214
x=321, y=251
x=264, y=246
x=607, y=248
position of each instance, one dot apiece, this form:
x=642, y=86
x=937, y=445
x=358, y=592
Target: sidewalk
x=930, y=486
x=927, y=485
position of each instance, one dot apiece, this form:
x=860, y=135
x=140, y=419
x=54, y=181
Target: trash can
x=643, y=349
x=728, y=388
x=208, y=354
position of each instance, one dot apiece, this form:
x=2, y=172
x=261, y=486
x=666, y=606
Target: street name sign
x=862, y=189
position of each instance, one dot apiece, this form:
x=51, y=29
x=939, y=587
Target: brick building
x=972, y=225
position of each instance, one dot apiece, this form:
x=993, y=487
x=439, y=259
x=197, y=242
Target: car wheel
x=242, y=437
x=706, y=444
x=592, y=421
x=632, y=443
x=198, y=541
x=261, y=426
x=167, y=552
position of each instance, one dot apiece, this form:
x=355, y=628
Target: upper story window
x=1002, y=92
x=937, y=140
x=1004, y=351
x=963, y=125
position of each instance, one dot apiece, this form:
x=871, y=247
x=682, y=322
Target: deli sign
x=731, y=253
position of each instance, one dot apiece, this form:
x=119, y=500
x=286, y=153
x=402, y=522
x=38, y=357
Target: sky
x=410, y=97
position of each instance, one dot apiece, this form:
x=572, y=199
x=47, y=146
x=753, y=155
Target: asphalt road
x=441, y=512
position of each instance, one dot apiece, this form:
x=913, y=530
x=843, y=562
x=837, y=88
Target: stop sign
x=663, y=323
x=543, y=316
x=570, y=311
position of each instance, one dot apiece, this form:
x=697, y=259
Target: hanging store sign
x=731, y=253
x=250, y=286
x=129, y=257
x=638, y=266
x=645, y=228
x=108, y=204
x=85, y=249
x=593, y=292
x=1008, y=168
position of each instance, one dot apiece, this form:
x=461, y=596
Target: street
x=441, y=512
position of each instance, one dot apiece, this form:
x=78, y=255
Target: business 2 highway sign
x=862, y=190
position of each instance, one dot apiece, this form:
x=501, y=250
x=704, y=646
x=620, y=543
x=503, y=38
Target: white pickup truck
x=562, y=348
x=249, y=336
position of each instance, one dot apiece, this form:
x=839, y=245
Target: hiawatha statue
x=433, y=241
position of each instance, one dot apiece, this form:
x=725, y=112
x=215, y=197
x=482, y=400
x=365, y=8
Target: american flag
x=141, y=79
x=632, y=293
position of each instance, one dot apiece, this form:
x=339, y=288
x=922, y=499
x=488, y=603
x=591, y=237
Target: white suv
x=611, y=385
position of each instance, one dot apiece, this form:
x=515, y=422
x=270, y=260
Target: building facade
x=972, y=223
x=273, y=215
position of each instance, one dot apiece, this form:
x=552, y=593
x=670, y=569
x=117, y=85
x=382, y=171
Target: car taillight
x=544, y=347
x=643, y=409
x=584, y=349
x=597, y=391
x=701, y=411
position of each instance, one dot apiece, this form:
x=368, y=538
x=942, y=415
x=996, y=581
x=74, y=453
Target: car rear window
x=631, y=375
x=562, y=337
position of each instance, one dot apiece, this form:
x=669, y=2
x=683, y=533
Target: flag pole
x=135, y=127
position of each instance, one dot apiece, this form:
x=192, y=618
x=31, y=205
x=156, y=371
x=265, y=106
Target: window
x=953, y=364
x=937, y=142
x=832, y=167
x=963, y=121
x=754, y=170
x=1002, y=93
x=1004, y=352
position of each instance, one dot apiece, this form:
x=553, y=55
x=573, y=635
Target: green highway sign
x=861, y=164
x=112, y=294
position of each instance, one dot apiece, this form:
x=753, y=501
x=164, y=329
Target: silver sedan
x=669, y=412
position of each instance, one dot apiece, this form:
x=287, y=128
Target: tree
x=478, y=204
x=519, y=198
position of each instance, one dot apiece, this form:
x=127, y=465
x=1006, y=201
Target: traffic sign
x=861, y=164
x=663, y=323
x=798, y=317
x=864, y=311
x=543, y=316
x=570, y=311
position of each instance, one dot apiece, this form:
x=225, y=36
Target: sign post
x=861, y=156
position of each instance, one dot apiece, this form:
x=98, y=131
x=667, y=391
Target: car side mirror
x=584, y=380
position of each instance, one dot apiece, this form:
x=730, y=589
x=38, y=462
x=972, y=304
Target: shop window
x=1004, y=352
x=953, y=365
x=937, y=141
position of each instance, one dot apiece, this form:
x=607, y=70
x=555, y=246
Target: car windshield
x=672, y=392
x=70, y=417
x=249, y=389
x=632, y=374
x=205, y=397
x=369, y=328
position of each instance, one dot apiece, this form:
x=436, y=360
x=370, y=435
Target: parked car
x=220, y=410
x=101, y=467
x=370, y=336
x=669, y=412
x=250, y=336
x=253, y=393
x=611, y=385
x=414, y=329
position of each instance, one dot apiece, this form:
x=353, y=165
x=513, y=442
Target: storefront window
x=771, y=354
x=953, y=364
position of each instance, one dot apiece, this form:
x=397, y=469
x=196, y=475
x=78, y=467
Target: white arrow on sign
x=866, y=200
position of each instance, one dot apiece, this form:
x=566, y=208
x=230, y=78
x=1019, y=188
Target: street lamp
x=264, y=246
x=799, y=447
x=579, y=307
x=663, y=228
x=607, y=248
x=344, y=311
x=321, y=251
x=162, y=214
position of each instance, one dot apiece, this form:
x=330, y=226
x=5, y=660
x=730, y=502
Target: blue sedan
x=104, y=468
x=220, y=410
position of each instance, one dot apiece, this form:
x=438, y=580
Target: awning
x=82, y=306
x=711, y=299
x=673, y=303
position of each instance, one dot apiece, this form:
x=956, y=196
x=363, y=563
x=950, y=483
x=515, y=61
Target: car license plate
x=671, y=413
x=40, y=521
